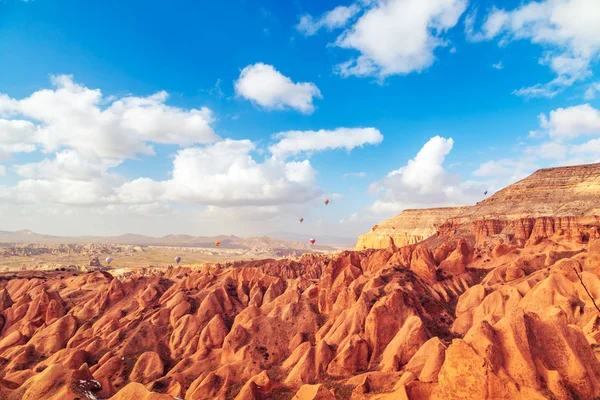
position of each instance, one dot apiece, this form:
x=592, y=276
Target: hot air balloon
x=108, y=260
x=301, y=220
x=217, y=244
x=177, y=259
x=312, y=241
x=326, y=201
x=485, y=192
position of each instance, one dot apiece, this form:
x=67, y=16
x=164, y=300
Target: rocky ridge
x=416, y=322
x=551, y=199
x=491, y=308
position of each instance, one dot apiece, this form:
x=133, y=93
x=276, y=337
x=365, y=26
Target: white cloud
x=267, y=87
x=398, y=36
x=75, y=117
x=495, y=168
x=87, y=135
x=225, y=174
x=336, y=18
x=423, y=182
x=590, y=93
x=355, y=174
x=568, y=29
x=16, y=136
x=498, y=65
x=67, y=164
x=561, y=130
x=549, y=150
x=64, y=191
x=591, y=147
x=570, y=122
x=294, y=142
x=2, y=170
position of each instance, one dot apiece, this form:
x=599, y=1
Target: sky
x=241, y=117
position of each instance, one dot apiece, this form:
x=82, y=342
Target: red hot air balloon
x=326, y=201
x=312, y=241
x=301, y=220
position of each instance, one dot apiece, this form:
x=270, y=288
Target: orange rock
x=404, y=345
x=353, y=357
x=213, y=334
x=55, y=336
x=423, y=264
x=147, y=368
x=501, y=250
x=137, y=391
x=428, y=360
x=458, y=260
x=383, y=322
x=313, y=392
x=513, y=272
x=179, y=311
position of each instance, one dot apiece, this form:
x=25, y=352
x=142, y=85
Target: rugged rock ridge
x=409, y=227
x=450, y=321
x=551, y=199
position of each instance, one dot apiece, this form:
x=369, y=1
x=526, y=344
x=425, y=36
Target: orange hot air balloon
x=301, y=220
x=217, y=244
x=326, y=201
x=312, y=241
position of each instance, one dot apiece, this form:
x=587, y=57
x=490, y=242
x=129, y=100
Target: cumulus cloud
x=76, y=117
x=561, y=133
x=495, y=168
x=549, y=150
x=571, y=122
x=267, y=87
x=86, y=134
x=64, y=191
x=423, y=182
x=66, y=164
x=498, y=65
x=16, y=136
x=294, y=142
x=591, y=148
x=336, y=18
x=398, y=36
x=225, y=174
x=567, y=29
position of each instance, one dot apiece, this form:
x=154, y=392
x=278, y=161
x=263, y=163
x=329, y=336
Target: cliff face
x=410, y=227
x=549, y=201
x=556, y=192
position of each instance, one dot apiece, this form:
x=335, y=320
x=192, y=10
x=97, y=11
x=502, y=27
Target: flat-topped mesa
x=409, y=227
x=567, y=195
x=549, y=192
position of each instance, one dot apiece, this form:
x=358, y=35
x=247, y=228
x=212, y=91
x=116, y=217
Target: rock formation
x=507, y=315
x=409, y=227
x=552, y=201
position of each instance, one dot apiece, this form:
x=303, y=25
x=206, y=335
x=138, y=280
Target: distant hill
x=553, y=193
x=262, y=242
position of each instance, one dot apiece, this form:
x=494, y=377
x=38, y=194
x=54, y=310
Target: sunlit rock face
x=487, y=309
x=550, y=201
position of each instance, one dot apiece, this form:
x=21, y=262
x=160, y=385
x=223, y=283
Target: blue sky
x=364, y=85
